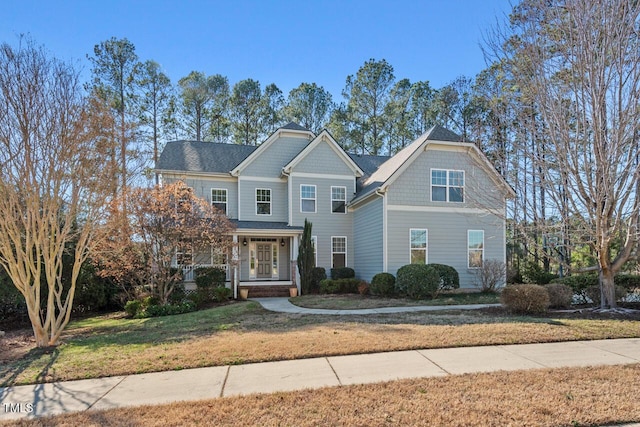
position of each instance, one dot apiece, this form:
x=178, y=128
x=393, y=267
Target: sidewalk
x=282, y=305
x=208, y=383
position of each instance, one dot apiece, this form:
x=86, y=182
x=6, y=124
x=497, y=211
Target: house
x=437, y=201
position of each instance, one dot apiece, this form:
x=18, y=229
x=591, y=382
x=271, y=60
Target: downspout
x=382, y=193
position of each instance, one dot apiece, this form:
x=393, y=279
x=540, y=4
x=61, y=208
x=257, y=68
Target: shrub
x=221, y=293
x=449, y=277
x=535, y=274
x=528, y=298
x=328, y=286
x=579, y=283
x=318, y=274
x=363, y=287
x=490, y=276
x=210, y=277
x=133, y=307
x=167, y=309
x=178, y=295
x=383, y=284
x=342, y=273
x=417, y=281
x=628, y=281
x=339, y=286
x=560, y=296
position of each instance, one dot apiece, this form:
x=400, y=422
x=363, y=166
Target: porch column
x=295, y=274
x=234, y=262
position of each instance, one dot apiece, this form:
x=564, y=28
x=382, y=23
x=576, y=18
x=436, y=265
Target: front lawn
x=354, y=301
x=244, y=332
x=549, y=397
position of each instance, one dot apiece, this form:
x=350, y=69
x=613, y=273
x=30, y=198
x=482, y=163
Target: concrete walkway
x=282, y=305
x=269, y=377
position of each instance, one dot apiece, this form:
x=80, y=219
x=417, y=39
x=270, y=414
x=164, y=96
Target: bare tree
x=578, y=62
x=52, y=181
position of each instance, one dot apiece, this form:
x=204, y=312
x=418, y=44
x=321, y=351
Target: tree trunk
x=607, y=289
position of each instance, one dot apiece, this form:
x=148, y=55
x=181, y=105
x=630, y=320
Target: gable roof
x=195, y=156
x=394, y=166
x=324, y=136
x=289, y=128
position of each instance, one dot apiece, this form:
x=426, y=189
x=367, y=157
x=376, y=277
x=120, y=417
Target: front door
x=263, y=254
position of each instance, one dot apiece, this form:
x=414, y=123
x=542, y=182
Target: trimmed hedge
x=339, y=286
x=527, y=298
x=383, y=284
x=560, y=296
x=417, y=281
x=342, y=273
x=449, y=277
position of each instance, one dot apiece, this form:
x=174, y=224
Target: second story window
x=447, y=185
x=339, y=199
x=219, y=199
x=263, y=201
x=308, y=198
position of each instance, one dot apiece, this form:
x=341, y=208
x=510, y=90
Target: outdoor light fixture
x=282, y=242
x=244, y=242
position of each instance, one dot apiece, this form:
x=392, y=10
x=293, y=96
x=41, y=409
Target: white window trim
x=270, y=202
x=332, y=200
x=314, y=242
x=447, y=186
x=346, y=263
x=315, y=198
x=226, y=199
x=469, y=249
x=426, y=249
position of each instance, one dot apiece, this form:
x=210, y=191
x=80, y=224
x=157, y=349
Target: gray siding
x=323, y=159
x=279, y=201
x=447, y=239
x=271, y=161
x=368, y=243
x=413, y=187
x=325, y=223
x=202, y=188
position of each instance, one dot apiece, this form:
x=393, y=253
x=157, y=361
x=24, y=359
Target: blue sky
x=283, y=42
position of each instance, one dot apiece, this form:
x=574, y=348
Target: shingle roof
x=294, y=126
x=196, y=156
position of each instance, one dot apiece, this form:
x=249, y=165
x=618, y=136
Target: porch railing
x=189, y=271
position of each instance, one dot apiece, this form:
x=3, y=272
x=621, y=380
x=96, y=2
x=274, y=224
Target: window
x=339, y=199
x=447, y=185
x=308, y=198
x=475, y=245
x=418, y=246
x=219, y=199
x=263, y=201
x=338, y=252
x=184, y=254
x=314, y=242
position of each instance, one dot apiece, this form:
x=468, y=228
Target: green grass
x=353, y=302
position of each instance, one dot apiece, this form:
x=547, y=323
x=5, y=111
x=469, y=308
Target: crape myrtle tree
x=53, y=181
x=578, y=63
x=161, y=222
